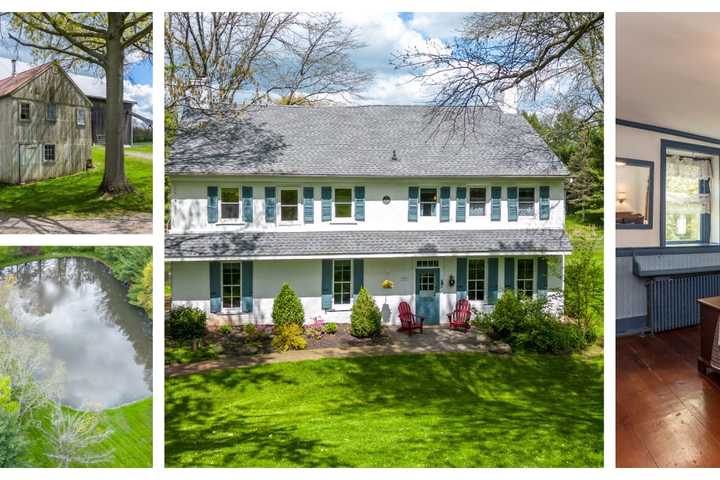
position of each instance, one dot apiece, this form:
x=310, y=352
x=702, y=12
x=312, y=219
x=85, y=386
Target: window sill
x=230, y=311
x=341, y=308
x=343, y=222
x=230, y=222
x=288, y=224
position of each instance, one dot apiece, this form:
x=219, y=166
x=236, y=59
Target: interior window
x=476, y=279
x=343, y=203
x=477, y=201
x=525, y=277
x=231, y=290
x=49, y=153
x=526, y=202
x=289, y=205
x=691, y=181
x=633, y=192
x=428, y=202
x=51, y=112
x=230, y=203
x=25, y=111
x=342, y=283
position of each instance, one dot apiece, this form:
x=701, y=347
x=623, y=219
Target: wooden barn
x=44, y=125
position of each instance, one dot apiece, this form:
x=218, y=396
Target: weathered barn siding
x=98, y=121
x=22, y=142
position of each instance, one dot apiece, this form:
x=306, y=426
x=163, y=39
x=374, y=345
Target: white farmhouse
x=330, y=199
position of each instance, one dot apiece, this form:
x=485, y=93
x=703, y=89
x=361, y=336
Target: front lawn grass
x=143, y=147
x=431, y=410
x=77, y=195
x=130, y=442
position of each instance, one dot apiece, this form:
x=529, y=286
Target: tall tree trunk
x=114, y=180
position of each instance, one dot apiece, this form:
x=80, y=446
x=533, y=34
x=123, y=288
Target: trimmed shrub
x=365, y=316
x=186, y=323
x=287, y=308
x=331, y=328
x=525, y=324
x=289, y=337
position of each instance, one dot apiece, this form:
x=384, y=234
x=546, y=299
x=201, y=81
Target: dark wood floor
x=668, y=414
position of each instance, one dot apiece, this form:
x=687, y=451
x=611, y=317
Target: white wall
x=189, y=205
x=191, y=287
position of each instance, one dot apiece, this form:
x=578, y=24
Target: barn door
x=29, y=164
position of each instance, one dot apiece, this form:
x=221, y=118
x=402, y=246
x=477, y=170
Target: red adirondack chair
x=408, y=320
x=460, y=318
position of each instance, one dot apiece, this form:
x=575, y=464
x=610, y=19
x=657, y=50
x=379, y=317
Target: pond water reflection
x=82, y=312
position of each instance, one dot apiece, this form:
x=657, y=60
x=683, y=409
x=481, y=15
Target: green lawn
x=432, y=410
x=77, y=195
x=131, y=440
x=144, y=147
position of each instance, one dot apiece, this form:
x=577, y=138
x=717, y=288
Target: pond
x=81, y=311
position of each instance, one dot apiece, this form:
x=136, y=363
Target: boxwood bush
x=186, y=323
x=365, y=316
x=287, y=308
x=525, y=324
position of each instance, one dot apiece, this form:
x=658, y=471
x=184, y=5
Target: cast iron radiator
x=672, y=301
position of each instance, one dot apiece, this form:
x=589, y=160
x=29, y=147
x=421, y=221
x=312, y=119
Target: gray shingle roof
x=357, y=141
x=359, y=243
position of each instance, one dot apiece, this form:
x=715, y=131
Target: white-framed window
x=428, y=202
x=80, y=117
x=525, y=276
x=231, y=285
x=476, y=279
x=49, y=152
x=342, y=282
x=428, y=264
x=230, y=203
x=477, y=200
x=526, y=202
x=289, y=205
x=24, y=111
x=343, y=203
x=51, y=112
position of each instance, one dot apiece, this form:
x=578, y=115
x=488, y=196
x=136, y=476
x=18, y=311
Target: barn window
x=80, y=117
x=25, y=112
x=49, y=153
x=51, y=112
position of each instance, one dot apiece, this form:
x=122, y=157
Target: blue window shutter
x=212, y=204
x=270, y=204
x=327, y=284
x=704, y=217
x=444, y=204
x=247, y=204
x=510, y=273
x=326, y=194
x=461, y=195
x=360, y=204
x=247, y=287
x=413, y=193
x=308, y=204
x=215, y=290
x=544, y=203
x=512, y=201
x=358, y=275
x=462, y=264
x=492, y=280
x=542, y=277
x=496, y=192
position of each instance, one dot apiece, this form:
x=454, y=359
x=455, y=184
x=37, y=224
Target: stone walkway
x=31, y=224
x=433, y=340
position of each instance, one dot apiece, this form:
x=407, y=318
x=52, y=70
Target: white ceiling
x=668, y=70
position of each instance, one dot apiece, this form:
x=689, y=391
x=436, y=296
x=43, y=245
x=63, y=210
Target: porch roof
x=345, y=244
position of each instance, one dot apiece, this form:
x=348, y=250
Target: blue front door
x=427, y=297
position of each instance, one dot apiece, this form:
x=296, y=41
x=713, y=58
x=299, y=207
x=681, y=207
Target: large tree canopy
x=104, y=40
x=218, y=59
x=549, y=57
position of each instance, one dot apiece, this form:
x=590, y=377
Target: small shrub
x=365, y=316
x=289, y=337
x=331, y=328
x=186, y=323
x=287, y=308
x=225, y=330
x=316, y=329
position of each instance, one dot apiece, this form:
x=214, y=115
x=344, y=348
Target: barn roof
x=364, y=141
x=9, y=84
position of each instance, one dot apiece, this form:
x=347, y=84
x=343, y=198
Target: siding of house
x=191, y=287
x=189, y=204
x=72, y=143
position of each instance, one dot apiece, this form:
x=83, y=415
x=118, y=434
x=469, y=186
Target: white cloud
x=142, y=94
x=445, y=25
